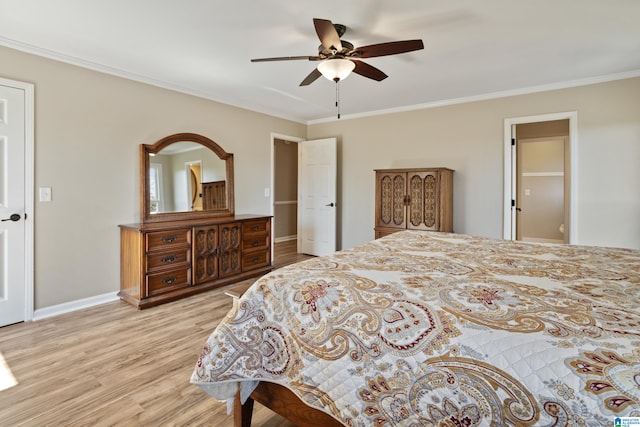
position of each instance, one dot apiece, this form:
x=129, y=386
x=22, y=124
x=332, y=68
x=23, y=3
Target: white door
x=12, y=205
x=317, y=171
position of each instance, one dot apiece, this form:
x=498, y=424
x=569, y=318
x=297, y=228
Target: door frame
x=272, y=181
x=509, y=179
x=29, y=190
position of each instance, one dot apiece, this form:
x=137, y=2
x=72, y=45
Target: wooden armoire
x=214, y=195
x=414, y=199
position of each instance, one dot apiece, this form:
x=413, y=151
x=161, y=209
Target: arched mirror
x=185, y=176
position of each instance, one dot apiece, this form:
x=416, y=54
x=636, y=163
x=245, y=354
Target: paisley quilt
x=423, y=328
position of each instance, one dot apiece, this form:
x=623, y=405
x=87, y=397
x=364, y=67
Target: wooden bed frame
x=284, y=402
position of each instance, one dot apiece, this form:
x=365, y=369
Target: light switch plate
x=45, y=194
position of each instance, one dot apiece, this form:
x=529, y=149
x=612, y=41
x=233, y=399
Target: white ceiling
x=474, y=49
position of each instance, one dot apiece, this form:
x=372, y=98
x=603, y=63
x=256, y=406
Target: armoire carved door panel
x=423, y=201
x=230, y=257
x=205, y=254
x=392, y=200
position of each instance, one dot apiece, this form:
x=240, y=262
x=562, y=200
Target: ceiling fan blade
x=389, y=48
x=287, y=58
x=368, y=71
x=312, y=77
x=327, y=34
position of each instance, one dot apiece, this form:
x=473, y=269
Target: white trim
x=24, y=47
x=542, y=174
x=68, y=59
x=29, y=185
x=68, y=307
x=486, y=97
x=572, y=116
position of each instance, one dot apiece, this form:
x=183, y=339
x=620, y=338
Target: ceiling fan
x=339, y=57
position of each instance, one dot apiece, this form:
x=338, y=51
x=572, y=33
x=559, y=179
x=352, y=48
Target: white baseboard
x=285, y=238
x=68, y=307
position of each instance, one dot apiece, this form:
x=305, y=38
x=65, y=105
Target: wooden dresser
x=417, y=199
x=164, y=261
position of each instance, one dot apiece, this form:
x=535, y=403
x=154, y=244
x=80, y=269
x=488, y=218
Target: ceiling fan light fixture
x=336, y=69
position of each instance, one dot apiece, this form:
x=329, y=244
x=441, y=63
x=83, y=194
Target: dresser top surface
x=155, y=226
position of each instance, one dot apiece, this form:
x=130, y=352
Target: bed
x=423, y=328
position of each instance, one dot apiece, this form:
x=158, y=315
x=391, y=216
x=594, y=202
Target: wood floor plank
x=112, y=365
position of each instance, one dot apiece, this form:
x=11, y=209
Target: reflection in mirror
x=180, y=174
x=185, y=176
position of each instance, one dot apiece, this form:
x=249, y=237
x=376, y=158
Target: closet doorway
x=304, y=193
x=540, y=178
x=285, y=189
x=541, y=185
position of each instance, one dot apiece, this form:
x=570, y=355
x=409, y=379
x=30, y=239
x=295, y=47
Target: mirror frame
x=145, y=197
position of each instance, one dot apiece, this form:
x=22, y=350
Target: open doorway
x=284, y=199
x=304, y=193
x=540, y=183
x=194, y=185
x=285, y=190
x=541, y=205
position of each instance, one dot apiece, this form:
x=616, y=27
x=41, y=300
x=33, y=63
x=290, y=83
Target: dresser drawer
x=167, y=281
x=251, y=260
x=163, y=260
x=255, y=226
x=163, y=240
x=257, y=241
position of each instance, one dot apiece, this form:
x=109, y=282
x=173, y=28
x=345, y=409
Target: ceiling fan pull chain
x=338, y=97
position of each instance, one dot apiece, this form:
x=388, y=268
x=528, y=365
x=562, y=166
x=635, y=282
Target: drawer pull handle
x=255, y=243
x=169, y=280
x=168, y=259
x=255, y=259
x=169, y=239
x=255, y=228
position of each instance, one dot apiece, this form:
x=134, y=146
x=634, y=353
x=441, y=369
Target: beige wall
x=89, y=126
x=88, y=129
x=469, y=138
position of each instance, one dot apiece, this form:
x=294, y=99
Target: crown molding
x=68, y=59
x=487, y=96
x=94, y=66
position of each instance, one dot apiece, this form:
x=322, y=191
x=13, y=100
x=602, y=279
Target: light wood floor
x=113, y=365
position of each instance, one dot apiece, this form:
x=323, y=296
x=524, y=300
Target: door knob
x=13, y=217
x=331, y=205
